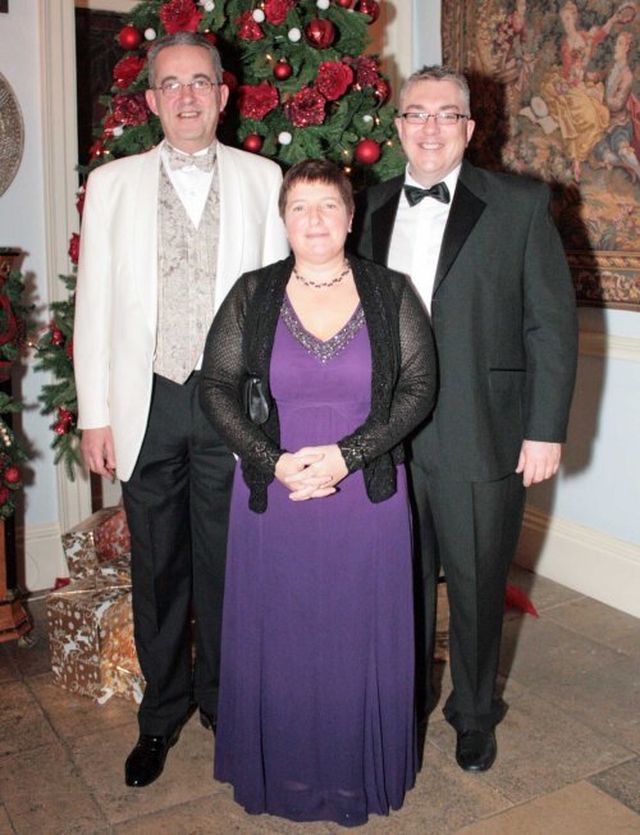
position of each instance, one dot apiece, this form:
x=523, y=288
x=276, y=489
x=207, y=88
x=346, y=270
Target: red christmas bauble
x=252, y=142
x=11, y=475
x=345, y=4
x=371, y=8
x=367, y=151
x=130, y=37
x=57, y=337
x=211, y=37
x=320, y=33
x=282, y=70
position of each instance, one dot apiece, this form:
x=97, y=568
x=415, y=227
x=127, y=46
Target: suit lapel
x=232, y=225
x=382, y=221
x=145, y=237
x=466, y=208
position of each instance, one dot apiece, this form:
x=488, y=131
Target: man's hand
x=97, y=451
x=539, y=460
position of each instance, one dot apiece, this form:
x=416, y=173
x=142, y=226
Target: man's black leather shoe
x=146, y=762
x=476, y=750
x=208, y=722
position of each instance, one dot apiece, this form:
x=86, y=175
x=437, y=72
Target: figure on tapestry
x=559, y=89
x=620, y=147
x=575, y=100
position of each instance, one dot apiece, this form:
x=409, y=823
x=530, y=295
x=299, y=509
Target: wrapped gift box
x=117, y=571
x=91, y=640
x=102, y=537
x=121, y=674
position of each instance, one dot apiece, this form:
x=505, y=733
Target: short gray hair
x=184, y=39
x=438, y=72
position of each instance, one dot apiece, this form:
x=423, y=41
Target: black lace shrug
x=403, y=382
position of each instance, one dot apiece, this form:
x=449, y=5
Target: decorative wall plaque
x=11, y=135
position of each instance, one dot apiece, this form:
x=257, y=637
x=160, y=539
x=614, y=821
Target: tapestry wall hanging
x=555, y=91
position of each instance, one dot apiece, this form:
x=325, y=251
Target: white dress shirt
x=191, y=183
x=417, y=237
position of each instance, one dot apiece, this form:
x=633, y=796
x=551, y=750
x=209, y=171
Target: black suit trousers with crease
x=470, y=530
x=177, y=505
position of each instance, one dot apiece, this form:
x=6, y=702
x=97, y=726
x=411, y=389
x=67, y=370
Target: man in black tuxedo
x=483, y=252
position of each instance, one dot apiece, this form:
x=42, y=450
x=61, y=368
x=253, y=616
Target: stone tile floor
x=568, y=763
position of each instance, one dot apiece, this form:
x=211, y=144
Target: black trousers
x=177, y=505
x=471, y=531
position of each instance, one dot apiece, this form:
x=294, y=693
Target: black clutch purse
x=257, y=401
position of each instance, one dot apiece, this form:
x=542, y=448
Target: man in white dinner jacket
x=164, y=236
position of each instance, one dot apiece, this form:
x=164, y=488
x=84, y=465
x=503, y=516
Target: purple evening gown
x=316, y=718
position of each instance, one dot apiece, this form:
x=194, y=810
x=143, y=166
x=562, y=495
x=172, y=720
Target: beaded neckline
x=321, y=350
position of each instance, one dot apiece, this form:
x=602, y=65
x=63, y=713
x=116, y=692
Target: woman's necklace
x=320, y=284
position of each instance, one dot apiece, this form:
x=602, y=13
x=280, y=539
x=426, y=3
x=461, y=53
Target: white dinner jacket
x=117, y=290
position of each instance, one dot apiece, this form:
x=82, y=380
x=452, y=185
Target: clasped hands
x=312, y=472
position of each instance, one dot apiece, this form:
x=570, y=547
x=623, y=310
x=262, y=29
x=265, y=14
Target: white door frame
x=60, y=157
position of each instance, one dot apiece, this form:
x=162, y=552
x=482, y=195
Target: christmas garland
x=301, y=86
x=14, y=325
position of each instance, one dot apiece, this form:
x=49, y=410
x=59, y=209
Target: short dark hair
x=316, y=171
x=183, y=39
x=439, y=72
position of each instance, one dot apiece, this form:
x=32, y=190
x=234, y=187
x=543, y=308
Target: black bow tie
x=415, y=194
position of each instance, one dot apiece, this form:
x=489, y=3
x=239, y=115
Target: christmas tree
x=301, y=86
x=15, y=327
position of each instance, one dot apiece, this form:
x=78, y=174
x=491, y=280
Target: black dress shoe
x=208, y=722
x=146, y=762
x=476, y=750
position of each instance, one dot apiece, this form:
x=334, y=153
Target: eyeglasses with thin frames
x=199, y=87
x=445, y=118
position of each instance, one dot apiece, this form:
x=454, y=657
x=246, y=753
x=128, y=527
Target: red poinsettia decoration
x=8, y=321
x=248, y=29
x=306, y=108
x=334, y=79
x=254, y=102
x=230, y=80
x=276, y=11
x=74, y=247
x=382, y=90
x=12, y=475
x=130, y=109
x=127, y=70
x=96, y=150
x=180, y=16
x=64, y=423
x=366, y=71
x=56, y=336
x=80, y=200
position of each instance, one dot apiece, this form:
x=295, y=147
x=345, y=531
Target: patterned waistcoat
x=186, y=279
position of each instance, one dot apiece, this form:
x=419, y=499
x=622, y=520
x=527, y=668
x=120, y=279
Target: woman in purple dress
x=316, y=368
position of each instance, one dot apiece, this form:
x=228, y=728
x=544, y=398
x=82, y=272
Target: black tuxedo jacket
x=504, y=320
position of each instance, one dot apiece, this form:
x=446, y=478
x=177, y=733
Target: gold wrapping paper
x=100, y=538
x=91, y=640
